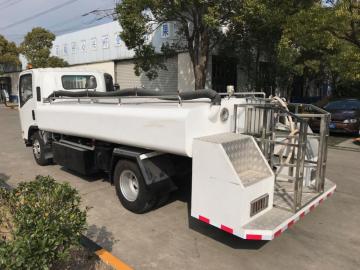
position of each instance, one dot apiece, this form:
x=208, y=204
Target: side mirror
x=116, y=86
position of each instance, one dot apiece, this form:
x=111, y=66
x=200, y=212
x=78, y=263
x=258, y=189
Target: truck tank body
x=166, y=127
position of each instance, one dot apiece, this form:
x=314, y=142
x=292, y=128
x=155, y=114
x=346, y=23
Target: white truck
x=255, y=165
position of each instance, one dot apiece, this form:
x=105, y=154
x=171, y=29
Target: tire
x=131, y=188
x=39, y=150
x=162, y=200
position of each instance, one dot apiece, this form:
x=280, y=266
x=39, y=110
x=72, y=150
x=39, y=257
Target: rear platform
x=274, y=222
x=251, y=207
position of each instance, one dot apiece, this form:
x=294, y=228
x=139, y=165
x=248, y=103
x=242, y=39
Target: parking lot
x=168, y=238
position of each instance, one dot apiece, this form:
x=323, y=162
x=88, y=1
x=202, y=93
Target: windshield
x=343, y=105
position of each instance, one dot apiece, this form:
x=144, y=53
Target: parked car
x=345, y=116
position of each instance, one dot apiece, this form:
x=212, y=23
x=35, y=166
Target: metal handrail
x=275, y=106
x=313, y=107
x=245, y=94
x=261, y=118
x=164, y=98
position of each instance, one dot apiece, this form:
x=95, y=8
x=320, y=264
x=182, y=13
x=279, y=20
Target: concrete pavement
x=168, y=238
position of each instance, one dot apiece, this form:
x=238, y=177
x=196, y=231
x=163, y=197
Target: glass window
x=73, y=47
x=65, y=49
x=78, y=82
x=57, y=50
x=105, y=42
x=93, y=43
x=25, y=88
x=83, y=46
x=117, y=39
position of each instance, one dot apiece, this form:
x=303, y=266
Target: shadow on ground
x=3, y=179
x=183, y=194
x=101, y=236
x=100, y=176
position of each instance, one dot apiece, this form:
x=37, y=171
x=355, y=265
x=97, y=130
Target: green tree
x=36, y=47
x=322, y=43
x=199, y=23
x=9, y=55
x=344, y=21
x=256, y=28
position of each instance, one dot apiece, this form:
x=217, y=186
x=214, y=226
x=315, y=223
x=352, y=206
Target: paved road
x=168, y=238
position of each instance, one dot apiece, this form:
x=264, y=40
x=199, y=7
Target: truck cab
x=37, y=84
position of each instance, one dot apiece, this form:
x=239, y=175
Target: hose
x=293, y=131
x=186, y=95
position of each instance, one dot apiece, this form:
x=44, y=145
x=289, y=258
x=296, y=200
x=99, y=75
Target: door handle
x=33, y=114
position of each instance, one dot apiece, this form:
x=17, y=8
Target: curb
x=12, y=106
x=344, y=148
x=104, y=255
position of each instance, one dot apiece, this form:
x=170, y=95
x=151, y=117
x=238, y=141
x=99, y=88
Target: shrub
x=40, y=221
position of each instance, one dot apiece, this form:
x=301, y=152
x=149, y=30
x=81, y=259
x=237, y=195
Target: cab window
x=76, y=82
x=25, y=88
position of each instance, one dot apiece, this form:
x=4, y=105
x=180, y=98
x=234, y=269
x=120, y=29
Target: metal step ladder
x=297, y=156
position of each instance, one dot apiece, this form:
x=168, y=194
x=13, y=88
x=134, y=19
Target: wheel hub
x=36, y=149
x=129, y=185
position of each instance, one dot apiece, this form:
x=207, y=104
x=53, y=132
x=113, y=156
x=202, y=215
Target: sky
x=18, y=17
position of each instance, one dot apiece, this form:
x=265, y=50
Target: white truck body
x=165, y=127
x=234, y=184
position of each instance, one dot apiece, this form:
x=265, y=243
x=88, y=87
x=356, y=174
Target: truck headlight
x=350, y=121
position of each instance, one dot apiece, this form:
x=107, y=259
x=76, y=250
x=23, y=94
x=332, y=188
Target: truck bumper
x=274, y=222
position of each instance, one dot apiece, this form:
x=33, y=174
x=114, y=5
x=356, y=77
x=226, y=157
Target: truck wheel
x=38, y=147
x=131, y=187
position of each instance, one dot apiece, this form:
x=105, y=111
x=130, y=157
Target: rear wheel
x=39, y=149
x=131, y=188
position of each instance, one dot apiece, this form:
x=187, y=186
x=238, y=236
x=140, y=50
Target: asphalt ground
x=168, y=238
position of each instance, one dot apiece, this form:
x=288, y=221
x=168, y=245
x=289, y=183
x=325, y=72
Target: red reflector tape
x=204, y=219
x=277, y=234
x=254, y=237
x=226, y=229
x=291, y=223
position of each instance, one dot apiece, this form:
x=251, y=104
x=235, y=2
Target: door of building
x=224, y=73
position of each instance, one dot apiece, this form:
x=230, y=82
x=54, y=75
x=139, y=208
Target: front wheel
x=131, y=188
x=39, y=150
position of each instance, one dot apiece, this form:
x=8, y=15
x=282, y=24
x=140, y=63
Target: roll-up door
x=167, y=80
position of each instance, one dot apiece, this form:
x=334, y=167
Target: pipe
x=187, y=95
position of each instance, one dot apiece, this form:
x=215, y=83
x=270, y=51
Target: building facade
x=102, y=48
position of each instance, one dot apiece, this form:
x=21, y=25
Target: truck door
x=26, y=104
